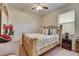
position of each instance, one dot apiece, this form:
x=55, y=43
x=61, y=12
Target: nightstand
x=67, y=44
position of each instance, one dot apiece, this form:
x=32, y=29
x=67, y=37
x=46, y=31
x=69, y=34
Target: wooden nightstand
x=77, y=46
x=67, y=44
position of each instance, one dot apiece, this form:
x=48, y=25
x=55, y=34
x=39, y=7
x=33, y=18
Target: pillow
x=42, y=31
x=53, y=31
x=46, y=31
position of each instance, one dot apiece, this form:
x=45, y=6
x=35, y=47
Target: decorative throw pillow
x=53, y=31
x=46, y=31
x=43, y=30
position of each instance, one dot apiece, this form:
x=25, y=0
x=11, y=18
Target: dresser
x=77, y=46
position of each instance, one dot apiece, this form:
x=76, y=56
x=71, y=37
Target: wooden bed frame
x=30, y=44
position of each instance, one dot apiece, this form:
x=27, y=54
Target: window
x=68, y=21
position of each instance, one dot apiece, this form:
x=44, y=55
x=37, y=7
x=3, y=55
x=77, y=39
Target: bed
x=36, y=43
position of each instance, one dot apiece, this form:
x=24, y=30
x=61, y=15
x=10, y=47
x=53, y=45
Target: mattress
x=44, y=40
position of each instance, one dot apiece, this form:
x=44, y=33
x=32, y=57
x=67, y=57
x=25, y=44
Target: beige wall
x=50, y=18
x=24, y=21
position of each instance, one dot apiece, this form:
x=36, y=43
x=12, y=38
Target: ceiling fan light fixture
x=40, y=7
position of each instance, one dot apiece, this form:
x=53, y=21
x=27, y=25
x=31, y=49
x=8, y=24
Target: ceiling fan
x=39, y=6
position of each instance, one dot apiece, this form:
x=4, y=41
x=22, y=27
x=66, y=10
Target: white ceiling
x=28, y=6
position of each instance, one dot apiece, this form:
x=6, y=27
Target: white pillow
x=42, y=31
x=53, y=31
x=46, y=31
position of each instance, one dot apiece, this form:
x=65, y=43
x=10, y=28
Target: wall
x=50, y=18
x=24, y=21
x=77, y=19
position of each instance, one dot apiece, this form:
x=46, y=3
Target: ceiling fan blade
x=45, y=7
x=33, y=8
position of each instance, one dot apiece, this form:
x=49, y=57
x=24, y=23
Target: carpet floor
x=57, y=51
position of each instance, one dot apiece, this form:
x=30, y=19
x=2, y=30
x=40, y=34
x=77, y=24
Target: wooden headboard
x=58, y=28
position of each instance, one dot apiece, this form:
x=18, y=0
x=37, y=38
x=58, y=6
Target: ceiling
x=28, y=6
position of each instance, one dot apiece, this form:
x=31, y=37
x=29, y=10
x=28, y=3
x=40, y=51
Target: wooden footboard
x=29, y=45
